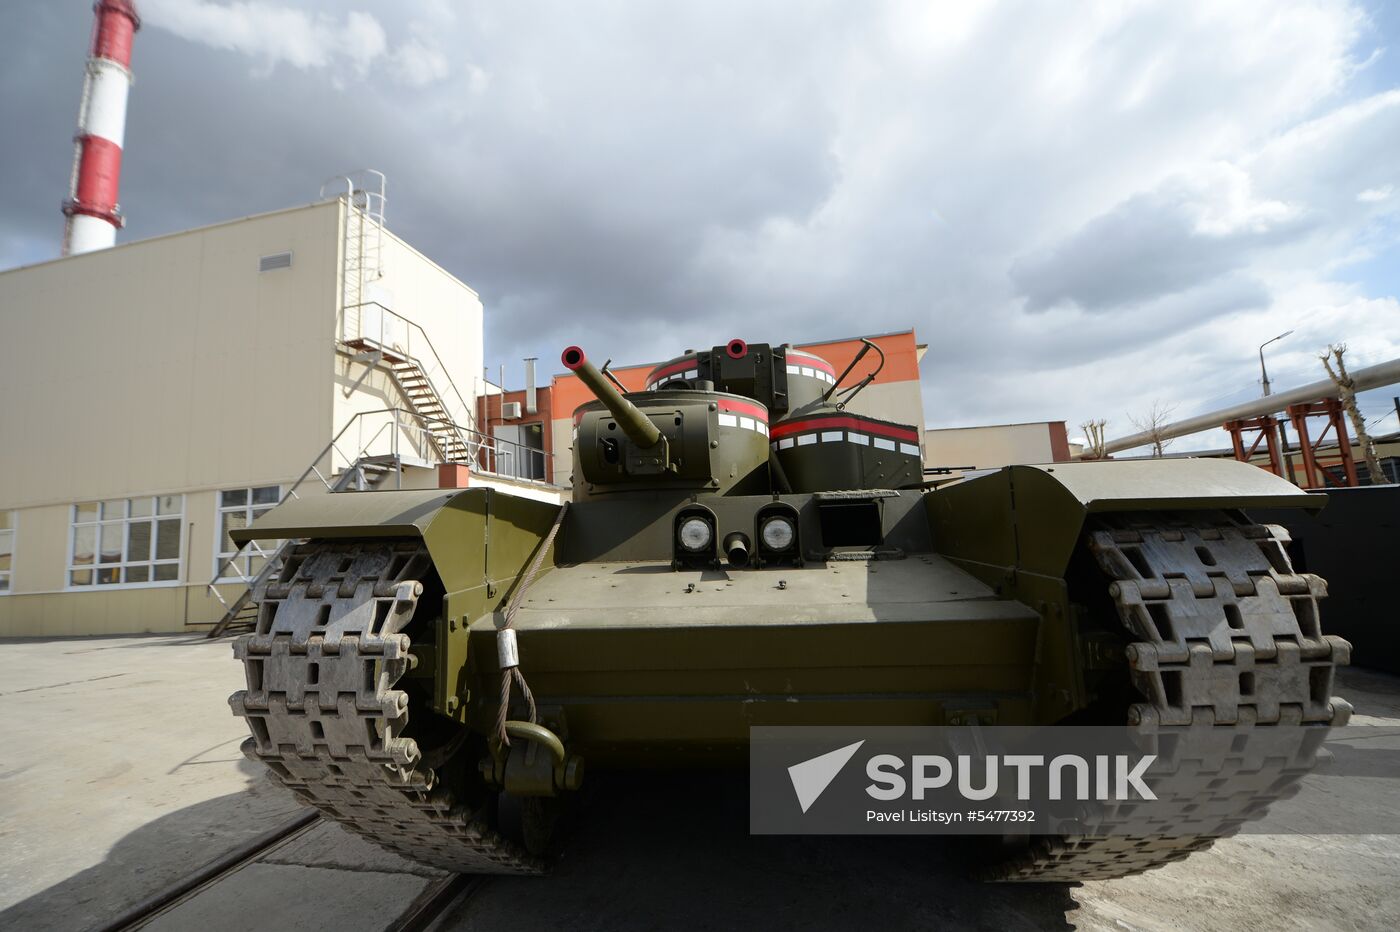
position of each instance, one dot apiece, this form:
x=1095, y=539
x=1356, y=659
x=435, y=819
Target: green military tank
x=434, y=669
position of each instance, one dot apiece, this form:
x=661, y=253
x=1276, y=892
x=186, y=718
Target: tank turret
x=681, y=441
x=818, y=443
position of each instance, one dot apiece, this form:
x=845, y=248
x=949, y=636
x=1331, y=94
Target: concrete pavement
x=121, y=773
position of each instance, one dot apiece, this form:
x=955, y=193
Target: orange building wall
x=488, y=416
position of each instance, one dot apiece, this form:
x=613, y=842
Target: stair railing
x=395, y=425
x=374, y=324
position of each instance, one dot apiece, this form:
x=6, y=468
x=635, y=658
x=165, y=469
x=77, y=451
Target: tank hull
x=1135, y=593
x=644, y=662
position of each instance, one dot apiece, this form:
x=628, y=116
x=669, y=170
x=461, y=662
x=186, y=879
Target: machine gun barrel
x=638, y=427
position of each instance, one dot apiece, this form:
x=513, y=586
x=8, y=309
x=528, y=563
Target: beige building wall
x=449, y=312
x=173, y=366
x=447, y=340
x=146, y=367
x=901, y=402
x=995, y=446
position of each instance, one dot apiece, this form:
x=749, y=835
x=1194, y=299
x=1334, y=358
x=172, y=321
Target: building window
x=7, y=548
x=127, y=541
x=237, y=509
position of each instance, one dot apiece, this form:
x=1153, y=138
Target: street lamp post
x=1282, y=435
x=1263, y=371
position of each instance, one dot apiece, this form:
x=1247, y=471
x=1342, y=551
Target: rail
x=381, y=440
x=416, y=914
x=386, y=331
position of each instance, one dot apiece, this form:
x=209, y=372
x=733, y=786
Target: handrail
x=402, y=419
x=466, y=409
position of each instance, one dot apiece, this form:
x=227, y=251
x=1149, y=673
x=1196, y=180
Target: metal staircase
x=412, y=377
x=376, y=336
x=423, y=398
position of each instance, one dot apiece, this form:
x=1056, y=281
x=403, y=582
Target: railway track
x=417, y=914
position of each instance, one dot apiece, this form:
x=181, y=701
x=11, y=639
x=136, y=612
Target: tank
x=440, y=671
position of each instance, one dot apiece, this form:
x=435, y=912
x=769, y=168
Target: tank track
x=1227, y=639
x=321, y=665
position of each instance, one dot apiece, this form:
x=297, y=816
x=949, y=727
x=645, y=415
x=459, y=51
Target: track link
x=1227, y=639
x=321, y=667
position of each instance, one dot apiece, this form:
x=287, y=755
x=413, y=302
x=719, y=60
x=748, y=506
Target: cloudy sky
x=1082, y=208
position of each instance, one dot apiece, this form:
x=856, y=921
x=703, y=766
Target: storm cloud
x=1080, y=213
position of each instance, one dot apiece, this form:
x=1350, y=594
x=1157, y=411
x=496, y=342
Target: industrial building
x=960, y=449
x=157, y=394
x=204, y=376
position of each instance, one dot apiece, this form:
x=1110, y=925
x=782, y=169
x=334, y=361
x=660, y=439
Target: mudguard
x=1030, y=517
x=1016, y=530
x=480, y=541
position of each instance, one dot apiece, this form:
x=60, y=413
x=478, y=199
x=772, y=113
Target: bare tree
x=1093, y=432
x=1152, y=424
x=1346, y=390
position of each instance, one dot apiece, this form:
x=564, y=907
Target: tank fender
x=1030, y=517
x=480, y=542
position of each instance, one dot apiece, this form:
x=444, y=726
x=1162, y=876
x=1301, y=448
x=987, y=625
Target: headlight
x=695, y=534
x=778, y=533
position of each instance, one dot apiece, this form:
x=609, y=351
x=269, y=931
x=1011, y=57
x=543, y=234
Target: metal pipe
x=1378, y=376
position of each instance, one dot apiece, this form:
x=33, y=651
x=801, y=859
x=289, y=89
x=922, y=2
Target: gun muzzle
x=636, y=425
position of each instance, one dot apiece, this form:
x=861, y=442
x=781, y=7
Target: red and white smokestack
x=92, y=209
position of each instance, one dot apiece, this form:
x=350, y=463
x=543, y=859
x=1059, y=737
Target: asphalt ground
x=120, y=774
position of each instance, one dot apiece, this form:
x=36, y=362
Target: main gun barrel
x=638, y=427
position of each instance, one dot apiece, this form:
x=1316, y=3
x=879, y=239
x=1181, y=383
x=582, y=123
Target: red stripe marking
x=660, y=371
x=746, y=408
x=99, y=174
x=811, y=362
x=116, y=23
x=848, y=423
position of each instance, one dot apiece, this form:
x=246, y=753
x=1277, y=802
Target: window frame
x=220, y=555
x=124, y=522
x=13, y=532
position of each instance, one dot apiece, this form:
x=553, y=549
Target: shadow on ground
x=674, y=852
x=158, y=854
x=666, y=852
